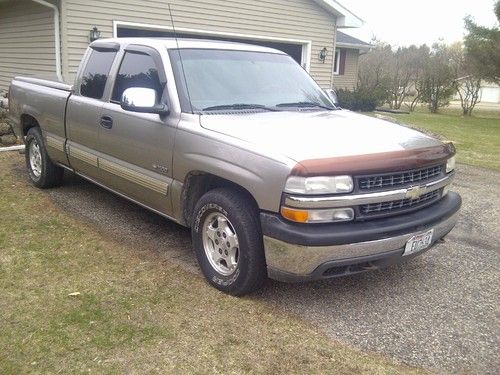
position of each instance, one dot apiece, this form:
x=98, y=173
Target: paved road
x=440, y=311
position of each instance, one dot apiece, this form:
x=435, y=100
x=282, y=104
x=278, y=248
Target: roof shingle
x=347, y=39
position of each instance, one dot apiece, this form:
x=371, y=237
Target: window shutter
x=343, y=54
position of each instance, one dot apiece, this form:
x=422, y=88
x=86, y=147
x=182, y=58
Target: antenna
x=180, y=57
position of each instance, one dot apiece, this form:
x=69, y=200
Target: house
x=47, y=38
x=489, y=92
x=345, y=68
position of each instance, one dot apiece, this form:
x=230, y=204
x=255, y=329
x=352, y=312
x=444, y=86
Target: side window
x=96, y=73
x=137, y=70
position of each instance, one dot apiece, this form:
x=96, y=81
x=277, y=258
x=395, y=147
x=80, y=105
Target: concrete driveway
x=440, y=311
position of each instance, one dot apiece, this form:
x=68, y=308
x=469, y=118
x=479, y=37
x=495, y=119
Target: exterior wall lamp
x=322, y=54
x=94, y=34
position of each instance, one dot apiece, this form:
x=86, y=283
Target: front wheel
x=227, y=240
x=42, y=172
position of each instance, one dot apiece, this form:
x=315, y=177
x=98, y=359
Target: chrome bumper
x=301, y=262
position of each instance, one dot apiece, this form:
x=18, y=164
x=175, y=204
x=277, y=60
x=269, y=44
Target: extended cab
x=240, y=144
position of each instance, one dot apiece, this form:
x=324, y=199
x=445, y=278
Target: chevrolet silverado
x=240, y=144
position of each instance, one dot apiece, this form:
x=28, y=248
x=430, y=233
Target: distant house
x=47, y=38
x=489, y=92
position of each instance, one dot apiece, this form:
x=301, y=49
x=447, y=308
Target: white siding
x=26, y=41
x=298, y=19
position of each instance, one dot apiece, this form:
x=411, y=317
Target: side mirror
x=142, y=99
x=332, y=95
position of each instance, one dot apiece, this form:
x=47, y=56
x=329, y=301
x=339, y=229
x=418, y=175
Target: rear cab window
x=96, y=72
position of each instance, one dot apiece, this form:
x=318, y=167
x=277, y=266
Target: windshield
x=242, y=80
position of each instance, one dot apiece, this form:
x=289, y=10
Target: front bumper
x=301, y=252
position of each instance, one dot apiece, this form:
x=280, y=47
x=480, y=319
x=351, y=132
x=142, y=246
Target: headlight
x=319, y=185
x=450, y=164
x=318, y=216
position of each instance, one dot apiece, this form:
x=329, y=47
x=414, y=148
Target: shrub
x=360, y=99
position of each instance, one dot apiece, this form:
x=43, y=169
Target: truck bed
x=45, y=82
x=40, y=99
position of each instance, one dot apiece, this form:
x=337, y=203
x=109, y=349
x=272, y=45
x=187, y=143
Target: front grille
x=394, y=207
x=399, y=179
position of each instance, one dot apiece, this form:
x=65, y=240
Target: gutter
x=332, y=73
x=361, y=47
x=57, y=36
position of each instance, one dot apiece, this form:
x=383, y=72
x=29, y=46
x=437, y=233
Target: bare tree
x=468, y=89
x=404, y=69
x=417, y=95
x=467, y=81
x=437, y=81
x=373, y=78
x=373, y=69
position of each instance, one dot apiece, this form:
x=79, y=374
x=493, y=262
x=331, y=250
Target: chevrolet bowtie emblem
x=415, y=192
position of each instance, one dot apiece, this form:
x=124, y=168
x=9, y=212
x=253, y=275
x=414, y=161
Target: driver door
x=136, y=148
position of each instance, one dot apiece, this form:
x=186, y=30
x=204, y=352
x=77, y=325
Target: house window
x=336, y=62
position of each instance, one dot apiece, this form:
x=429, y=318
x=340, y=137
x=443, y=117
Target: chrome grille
x=383, y=181
x=393, y=207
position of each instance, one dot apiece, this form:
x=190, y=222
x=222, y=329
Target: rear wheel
x=228, y=241
x=42, y=172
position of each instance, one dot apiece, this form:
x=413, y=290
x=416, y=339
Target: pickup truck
x=240, y=144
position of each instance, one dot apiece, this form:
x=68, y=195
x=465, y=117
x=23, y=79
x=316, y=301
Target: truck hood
x=318, y=135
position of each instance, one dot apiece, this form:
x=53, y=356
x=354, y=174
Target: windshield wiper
x=306, y=105
x=239, y=106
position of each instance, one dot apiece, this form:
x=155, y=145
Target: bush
x=359, y=99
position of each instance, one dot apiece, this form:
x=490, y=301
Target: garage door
x=294, y=50
x=490, y=94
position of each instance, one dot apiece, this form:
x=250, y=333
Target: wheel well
x=28, y=122
x=199, y=183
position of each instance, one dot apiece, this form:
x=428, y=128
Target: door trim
x=131, y=175
x=84, y=156
x=138, y=178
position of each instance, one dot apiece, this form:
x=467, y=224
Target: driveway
x=439, y=311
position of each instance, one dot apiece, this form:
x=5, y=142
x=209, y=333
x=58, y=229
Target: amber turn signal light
x=298, y=216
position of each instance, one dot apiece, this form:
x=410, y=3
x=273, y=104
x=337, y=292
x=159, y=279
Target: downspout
x=57, y=36
x=334, y=50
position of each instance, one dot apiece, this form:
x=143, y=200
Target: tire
x=42, y=172
x=227, y=240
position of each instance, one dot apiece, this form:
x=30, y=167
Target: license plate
x=418, y=242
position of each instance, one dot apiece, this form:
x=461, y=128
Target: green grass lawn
x=476, y=138
x=75, y=301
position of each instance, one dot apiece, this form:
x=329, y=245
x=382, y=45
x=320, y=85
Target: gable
x=345, y=18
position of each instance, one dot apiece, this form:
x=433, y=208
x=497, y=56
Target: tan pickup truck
x=240, y=144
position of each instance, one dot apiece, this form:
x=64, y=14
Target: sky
x=405, y=22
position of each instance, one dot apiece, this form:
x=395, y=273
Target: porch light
x=322, y=54
x=94, y=34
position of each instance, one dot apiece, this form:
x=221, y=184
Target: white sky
x=407, y=22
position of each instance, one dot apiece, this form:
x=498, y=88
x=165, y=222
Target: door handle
x=106, y=122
